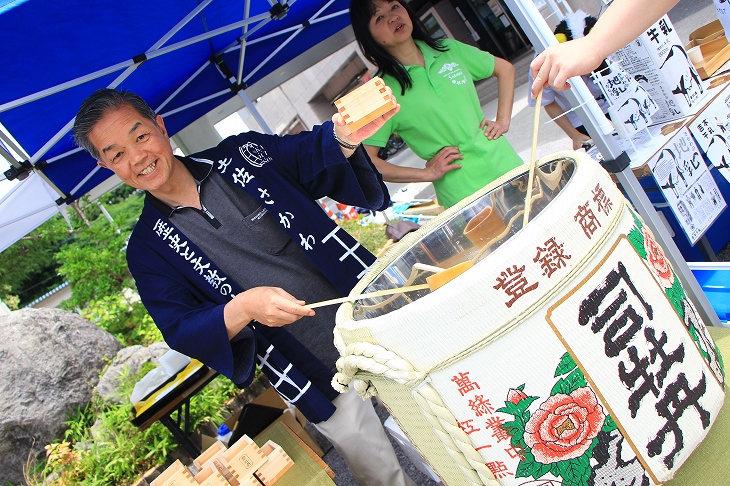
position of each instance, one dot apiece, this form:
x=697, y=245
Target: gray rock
x=128, y=362
x=50, y=361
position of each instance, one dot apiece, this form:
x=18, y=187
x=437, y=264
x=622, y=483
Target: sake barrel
x=568, y=354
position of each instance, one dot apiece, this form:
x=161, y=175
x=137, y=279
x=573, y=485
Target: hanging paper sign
x=659, y=62
x=723, y=13
x=690, y=190
x=711, y=130
x=629, y=104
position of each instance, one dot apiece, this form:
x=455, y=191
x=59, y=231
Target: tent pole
x=529, y=17
x=5, y=138
x=242, y=56
x=255, y=112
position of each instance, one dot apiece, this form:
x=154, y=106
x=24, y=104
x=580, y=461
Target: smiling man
x=230, y=245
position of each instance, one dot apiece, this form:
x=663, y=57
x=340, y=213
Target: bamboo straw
x=535, y=125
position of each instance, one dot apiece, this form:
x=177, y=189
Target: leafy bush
x=125, y=317
x=94, y=264
x=119, y=194
x=28, y=267
x=126, y=212
x=371, y=236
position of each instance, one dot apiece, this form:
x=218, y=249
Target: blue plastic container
x=714, y=278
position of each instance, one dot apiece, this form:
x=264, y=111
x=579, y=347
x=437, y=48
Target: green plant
x=209, y=403
x=28, y=267
x=95, y=264
x=119, y=194
x=125, y=318
x=127, y=211
x=371, y=236
x=9, y=299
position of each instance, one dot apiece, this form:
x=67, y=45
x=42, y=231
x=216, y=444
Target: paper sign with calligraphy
x=711, y=131
x=630, y=106
x=650, y=374
x=692, y=193
x=658, y=61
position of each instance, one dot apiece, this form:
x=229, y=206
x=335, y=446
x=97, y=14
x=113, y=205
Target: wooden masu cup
x=484, y=227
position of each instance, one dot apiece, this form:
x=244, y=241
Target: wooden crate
x=365, y=104
x=176, y=474
x=277, y=464
x=242, y=458
x=210, y=453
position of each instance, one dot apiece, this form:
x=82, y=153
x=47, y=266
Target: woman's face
x=390, y=24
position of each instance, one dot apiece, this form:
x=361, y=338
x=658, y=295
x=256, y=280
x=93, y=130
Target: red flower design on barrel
x=564, y=426
x=515, y=395
x=657, y=261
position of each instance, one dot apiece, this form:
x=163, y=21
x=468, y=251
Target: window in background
x=231, y=125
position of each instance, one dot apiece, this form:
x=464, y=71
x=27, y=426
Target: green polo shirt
x=442, y=109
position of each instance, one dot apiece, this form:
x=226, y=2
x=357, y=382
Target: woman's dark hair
x=361, y=11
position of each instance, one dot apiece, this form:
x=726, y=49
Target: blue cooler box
x=714, y=278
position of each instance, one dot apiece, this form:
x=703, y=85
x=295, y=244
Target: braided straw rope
x=376, y=360
x=454, y=439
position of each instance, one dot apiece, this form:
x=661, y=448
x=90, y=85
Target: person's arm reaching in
x=623, y=21
x=505, y=74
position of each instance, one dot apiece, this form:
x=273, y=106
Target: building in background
x=306, y=99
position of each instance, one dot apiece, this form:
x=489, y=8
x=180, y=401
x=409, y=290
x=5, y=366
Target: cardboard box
x=659, y=62
x=707, y=32
x=290, y=416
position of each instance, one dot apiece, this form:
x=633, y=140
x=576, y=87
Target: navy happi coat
x=185, y=292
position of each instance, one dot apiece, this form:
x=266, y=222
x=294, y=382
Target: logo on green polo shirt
x=453, y=72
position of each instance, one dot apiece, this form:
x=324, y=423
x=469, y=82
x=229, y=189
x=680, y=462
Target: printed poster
x=711, y=131
x=690, y=190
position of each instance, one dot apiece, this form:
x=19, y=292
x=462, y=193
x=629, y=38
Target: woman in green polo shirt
x=440, y=118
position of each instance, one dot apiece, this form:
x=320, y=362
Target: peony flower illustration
x=657, y=261
x=564, y=426
x=515, y=396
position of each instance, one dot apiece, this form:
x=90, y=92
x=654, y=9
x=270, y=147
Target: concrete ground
x=686, y=16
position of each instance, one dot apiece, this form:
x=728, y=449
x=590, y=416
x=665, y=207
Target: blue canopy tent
x=185, y=57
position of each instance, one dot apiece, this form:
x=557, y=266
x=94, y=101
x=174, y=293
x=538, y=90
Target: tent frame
x=131, y=65
x=23, y=163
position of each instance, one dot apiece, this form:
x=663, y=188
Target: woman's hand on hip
x=494, y=129
x=443, y=162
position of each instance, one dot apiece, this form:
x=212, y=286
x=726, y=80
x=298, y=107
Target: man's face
x=134, y=148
